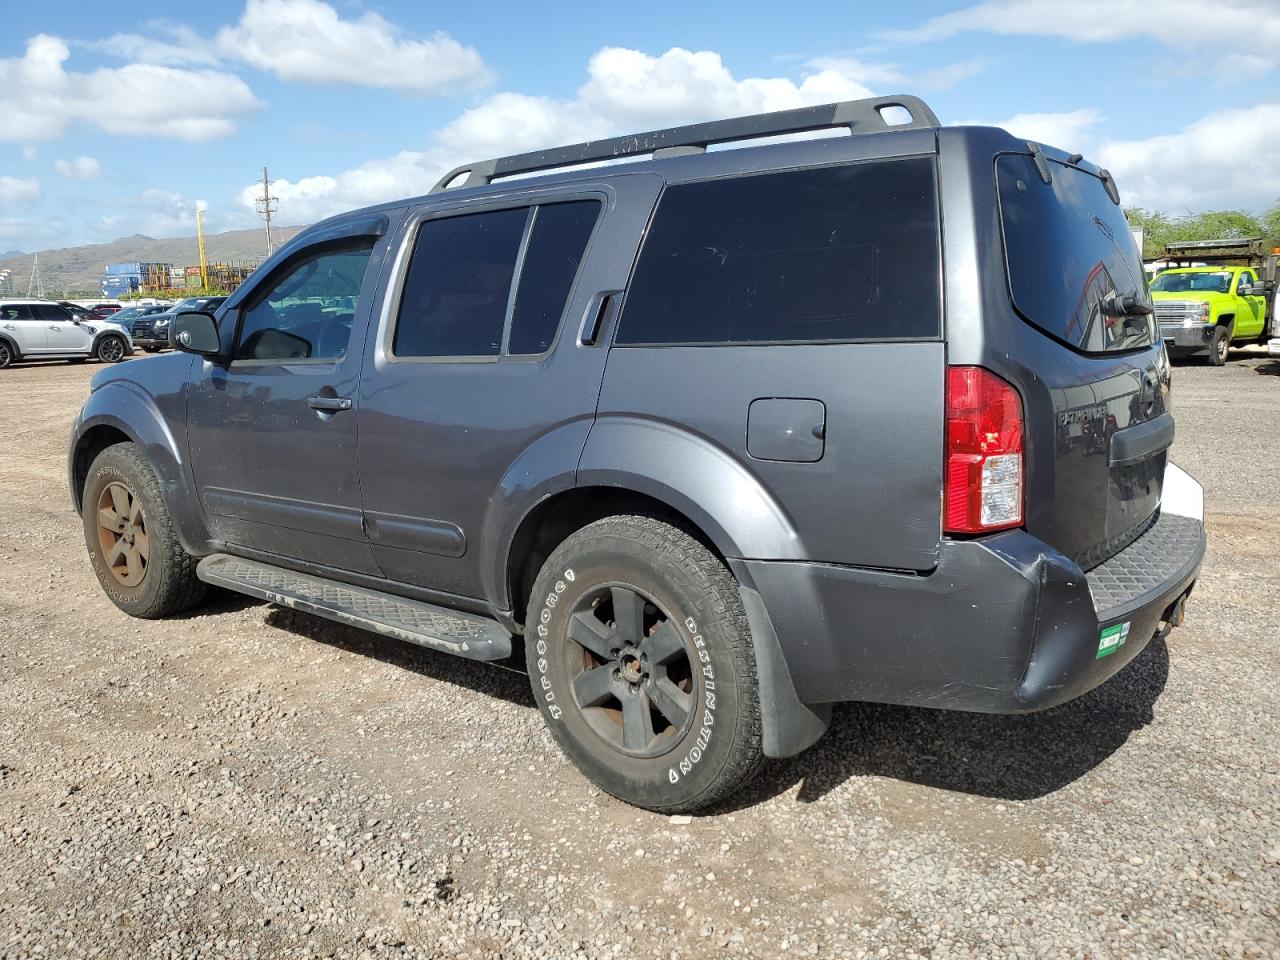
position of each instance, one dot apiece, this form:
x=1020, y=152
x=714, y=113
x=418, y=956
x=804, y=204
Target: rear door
x=1095, y=379
x=479, y=360
x=793, y=318
x=20, y=324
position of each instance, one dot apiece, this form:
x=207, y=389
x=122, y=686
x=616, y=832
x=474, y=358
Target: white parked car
x=42, y=330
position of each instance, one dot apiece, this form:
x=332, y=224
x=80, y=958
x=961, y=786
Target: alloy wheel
x=122, y=535
x=631, y=673
x=6, y=355
x=111, y=350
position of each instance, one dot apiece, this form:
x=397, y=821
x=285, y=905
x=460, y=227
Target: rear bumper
x=1273, y=347
x=1004, y=624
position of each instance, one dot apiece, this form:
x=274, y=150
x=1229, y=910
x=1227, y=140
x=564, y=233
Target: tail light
x=985, y=470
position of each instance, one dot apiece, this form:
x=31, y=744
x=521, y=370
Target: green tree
x=1159, y=228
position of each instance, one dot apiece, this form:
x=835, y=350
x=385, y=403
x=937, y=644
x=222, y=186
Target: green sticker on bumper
x=1112, y=639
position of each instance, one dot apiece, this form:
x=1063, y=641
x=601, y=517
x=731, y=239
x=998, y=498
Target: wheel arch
x=120, y=412
x=13, y=346
x=789, y=726
x=103, y=335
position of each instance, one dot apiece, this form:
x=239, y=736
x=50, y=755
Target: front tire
x=110, y=350
x=1219, y=346
x=133, y=546
x=642, y=664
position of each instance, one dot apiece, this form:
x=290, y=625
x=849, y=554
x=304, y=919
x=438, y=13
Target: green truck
x=1204, y=309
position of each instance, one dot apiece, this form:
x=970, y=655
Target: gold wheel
x=122, y=535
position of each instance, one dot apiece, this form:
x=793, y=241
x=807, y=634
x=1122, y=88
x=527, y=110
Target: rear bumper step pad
x=439, y=628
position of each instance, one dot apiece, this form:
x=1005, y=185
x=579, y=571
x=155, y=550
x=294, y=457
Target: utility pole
x=204, y=264
x=266, y=205
x=35, y=286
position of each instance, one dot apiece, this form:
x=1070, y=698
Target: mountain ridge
x=78, y=270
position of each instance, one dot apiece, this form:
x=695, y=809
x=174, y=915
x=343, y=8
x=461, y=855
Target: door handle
x=10, y=326
x=52, y=327
x=329, y=403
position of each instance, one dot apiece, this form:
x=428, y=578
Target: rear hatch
x=1097, y=449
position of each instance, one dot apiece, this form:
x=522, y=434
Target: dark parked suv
x=707, y=441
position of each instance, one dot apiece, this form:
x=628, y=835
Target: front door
x=64, y=334
x=1254, y=316
x=479, y=365
x=273, y=432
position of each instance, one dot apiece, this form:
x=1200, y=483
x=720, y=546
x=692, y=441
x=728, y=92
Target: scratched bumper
x=1004, y=624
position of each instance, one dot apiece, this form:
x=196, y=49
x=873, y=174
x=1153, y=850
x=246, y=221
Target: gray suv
x=707, y=441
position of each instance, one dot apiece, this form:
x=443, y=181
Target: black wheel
x=6, y=354
x=641, y=661
x=110, y=350
x=133, y=547
x=1219, y=346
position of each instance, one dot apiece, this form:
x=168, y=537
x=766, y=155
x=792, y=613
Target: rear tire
x=110, y=349
x=7, y=355
x=133, y=546
x=1219, y=346
x=642, y=664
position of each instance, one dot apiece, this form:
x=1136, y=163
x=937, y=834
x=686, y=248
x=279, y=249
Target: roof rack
x=859, y=116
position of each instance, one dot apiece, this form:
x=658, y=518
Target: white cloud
x=625, y=91
x=40, y=99
x=306, y=40
x=1069, y=131
x=951, y=74
x=81, y=168
x=185, y=46
x=1236, y=25
x=29, y=153
x=1188, y=169
x=1192, y=169
x=18, y=190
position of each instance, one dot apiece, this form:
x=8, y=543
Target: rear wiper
x=1126, y=306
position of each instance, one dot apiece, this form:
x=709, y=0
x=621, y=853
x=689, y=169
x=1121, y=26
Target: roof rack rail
x=859, y=116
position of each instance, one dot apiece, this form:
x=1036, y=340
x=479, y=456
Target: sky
x=114, y=122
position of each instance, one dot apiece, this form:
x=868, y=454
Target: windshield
x=1171, y=282
x=1071, y=257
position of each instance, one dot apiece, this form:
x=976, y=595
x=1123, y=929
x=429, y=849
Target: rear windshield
x=1070, y=256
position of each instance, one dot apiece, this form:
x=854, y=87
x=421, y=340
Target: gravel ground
x=253, y=782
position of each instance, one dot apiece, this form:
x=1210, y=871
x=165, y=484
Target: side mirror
x=1254, y=290
x=195, y=332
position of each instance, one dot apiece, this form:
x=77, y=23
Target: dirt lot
x=255, y=782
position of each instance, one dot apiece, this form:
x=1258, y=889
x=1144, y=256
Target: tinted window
x=15, y=311
x=556, y=244
x=1070, y=254
x=843, y=253
x=455, y=295
x=51, y=312
x=307, y=313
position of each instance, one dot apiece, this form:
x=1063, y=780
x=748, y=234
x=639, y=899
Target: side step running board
x=463, y=634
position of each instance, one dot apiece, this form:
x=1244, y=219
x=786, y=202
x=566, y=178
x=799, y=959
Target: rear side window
x=1070, y=256
x=457, y=298
x=833, y=254
x=16, y=311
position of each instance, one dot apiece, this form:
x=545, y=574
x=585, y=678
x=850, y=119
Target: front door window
x=308, y=313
